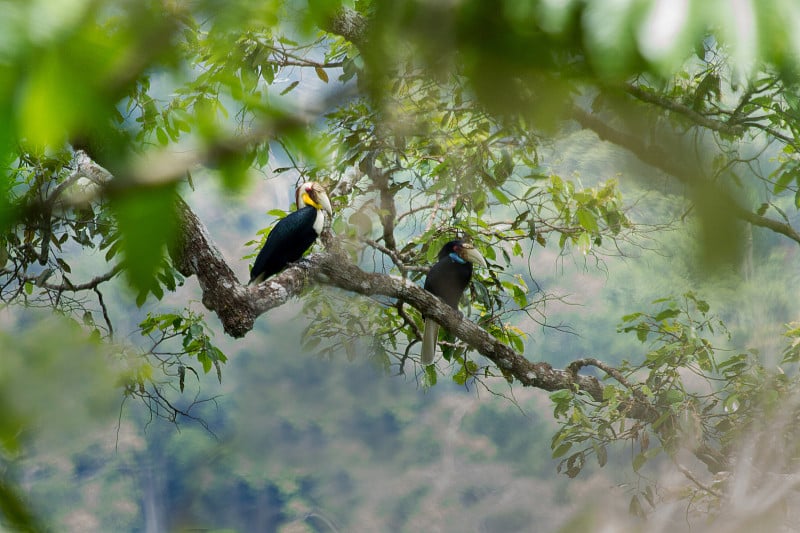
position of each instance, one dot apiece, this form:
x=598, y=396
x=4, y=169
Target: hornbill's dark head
x=311, y=193
x=462, y=252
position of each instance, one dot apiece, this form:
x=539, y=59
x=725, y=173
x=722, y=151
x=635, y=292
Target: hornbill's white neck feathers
x=294, y=233
x=448, y=279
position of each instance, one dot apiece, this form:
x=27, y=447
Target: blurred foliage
x=706, y=399
x=280, y=458
x=55, y=378
x=55, y=383
x=430, y=120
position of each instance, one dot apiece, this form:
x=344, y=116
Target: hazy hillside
x=304, y=444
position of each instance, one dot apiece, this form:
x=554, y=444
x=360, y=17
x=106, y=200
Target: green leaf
x=642, y=332
x=562, y=449
x=783, y=181
x=310, y=343
x=639, y=461
x=203, y=358
x=561, y=395
x=601, y=454
x=182, y=125
x=584, y=242
x=233, y=168
x=218, y=367
x=161, y=135
x=148, y=222
x=430, y=375
x=64, y=265
x=609, y=392
x=321, y=74
x=587, y=220
x=219, y=355
x=631, y=317
x=500, y=195
x=112, y=249
x=667, y=313
x=731, y=403
x=157, y=291
x=516, y=342
x=168, y=279
x=674, y=396
x=635, y=508
x=195, y=330
x=290, y=87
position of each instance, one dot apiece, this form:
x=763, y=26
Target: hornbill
x=294, y=233
x=447, y=279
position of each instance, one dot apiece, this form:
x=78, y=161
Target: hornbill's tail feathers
x=429, y=338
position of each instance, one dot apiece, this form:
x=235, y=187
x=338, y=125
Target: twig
x=105, y=312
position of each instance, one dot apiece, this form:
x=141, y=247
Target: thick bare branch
x=196, y=254
x=238, y=306
x=349, y=24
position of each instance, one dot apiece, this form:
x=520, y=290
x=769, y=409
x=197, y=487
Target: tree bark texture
x=238, y=305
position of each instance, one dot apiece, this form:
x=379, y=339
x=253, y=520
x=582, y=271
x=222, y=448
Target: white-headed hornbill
x=294, y=233
x=448, y=279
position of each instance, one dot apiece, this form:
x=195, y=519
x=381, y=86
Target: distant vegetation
x=630, y=172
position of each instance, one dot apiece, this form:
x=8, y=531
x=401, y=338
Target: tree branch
x=238, y=306
x=92, y=284
x=349, y=24
x=353, y=26
x=734, y=126
x=577, y=364
x=676, y=107
x=654, y=156
x=388, y=212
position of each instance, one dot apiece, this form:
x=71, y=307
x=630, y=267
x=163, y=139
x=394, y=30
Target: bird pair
x=296, y=232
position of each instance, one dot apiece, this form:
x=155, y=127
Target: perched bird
x=293, y=234
x=447, y=279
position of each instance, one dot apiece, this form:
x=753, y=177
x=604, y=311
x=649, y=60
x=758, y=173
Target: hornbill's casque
x=293, y=234
x=447, y=279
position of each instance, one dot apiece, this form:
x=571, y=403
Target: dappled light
x=399, y=266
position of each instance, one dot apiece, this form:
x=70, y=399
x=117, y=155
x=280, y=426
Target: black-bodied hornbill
x=448, y=279
x=294, y=233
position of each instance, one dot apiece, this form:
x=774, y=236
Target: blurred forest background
x=628, y=168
